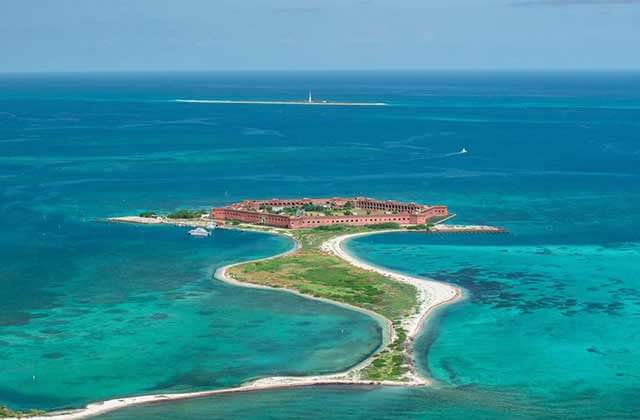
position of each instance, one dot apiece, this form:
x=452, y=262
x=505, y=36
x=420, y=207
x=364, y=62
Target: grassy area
x=186, y=214
x=315, y=273
x=6, y=412
x=426, y=227
x=322, y=275
x=311, y=239
x=391, y=363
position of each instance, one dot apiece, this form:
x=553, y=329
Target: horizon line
x=307, y=71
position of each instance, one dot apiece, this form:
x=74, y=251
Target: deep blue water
x=550, y=324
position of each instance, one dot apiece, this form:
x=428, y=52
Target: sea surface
x=550, y=327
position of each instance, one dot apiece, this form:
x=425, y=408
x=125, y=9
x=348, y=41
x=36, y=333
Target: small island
x=309, y=101
x=318, y=267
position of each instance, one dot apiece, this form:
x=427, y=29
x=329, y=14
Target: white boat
x=463, y=151
x=211, y=226
x=199, y=232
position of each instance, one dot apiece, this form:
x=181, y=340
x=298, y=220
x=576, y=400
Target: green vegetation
x=186, y=214
x=147, y=214
x=426, y=227
x=329, y=228
x=381, y=226
x=6, y=412
x=311, y=239
x=290, y=211
x=311, y=207
x=389, y=364
x=316, y=273
x=321, y=275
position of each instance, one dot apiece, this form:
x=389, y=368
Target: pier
x=441, y=228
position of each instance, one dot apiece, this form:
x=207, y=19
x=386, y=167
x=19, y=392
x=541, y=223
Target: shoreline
x=431, y=295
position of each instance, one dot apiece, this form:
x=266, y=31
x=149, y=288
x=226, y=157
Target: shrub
x=7, y=412
x=312, y=207
x=388, y=225
x=147, y=214
x=186, y=214
x=420, y=227
x=330, y=227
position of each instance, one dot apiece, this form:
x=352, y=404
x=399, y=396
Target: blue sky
x=84, y=35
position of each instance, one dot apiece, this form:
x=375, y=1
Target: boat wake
x=462, y=151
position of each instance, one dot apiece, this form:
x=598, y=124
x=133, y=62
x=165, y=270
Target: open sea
x=550, y=327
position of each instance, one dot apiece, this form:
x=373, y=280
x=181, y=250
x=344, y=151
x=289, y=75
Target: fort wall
x=252, y=212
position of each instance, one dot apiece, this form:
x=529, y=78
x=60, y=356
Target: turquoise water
x=125, y=310
x=554, y=322
x=94, y=310
x=333, y=402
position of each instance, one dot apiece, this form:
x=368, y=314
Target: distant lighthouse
x=309, y=100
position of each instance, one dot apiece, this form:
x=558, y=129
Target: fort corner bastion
x=314, y=212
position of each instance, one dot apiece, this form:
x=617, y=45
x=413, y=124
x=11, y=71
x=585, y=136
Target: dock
x=442, y=228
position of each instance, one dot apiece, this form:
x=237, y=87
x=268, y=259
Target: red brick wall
x=370, y=204
x=247, y=216
x=251, y=217
x=430, y=213
x=403, y=219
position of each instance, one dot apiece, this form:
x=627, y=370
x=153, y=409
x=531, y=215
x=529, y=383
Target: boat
x=463, y=151
x=211, y=226
x=199, y=232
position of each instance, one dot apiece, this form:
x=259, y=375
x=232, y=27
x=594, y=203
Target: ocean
x=91, y=310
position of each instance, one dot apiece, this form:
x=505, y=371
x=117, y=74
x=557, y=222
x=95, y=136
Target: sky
x=140, y=35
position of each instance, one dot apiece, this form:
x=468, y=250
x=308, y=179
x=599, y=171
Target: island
x=318, y=267
x=309, y=101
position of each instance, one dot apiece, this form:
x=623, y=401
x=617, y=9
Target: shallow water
x=122, y=310
x=555, y=322
x=550, y=320
x=335, y=402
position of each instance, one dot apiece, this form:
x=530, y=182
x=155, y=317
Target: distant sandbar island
x=308, y=101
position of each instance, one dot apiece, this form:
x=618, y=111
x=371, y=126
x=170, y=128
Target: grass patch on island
x=391, y=363
x=6, y=412
x=316, y=273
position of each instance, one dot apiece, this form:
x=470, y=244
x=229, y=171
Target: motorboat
x=199, y=232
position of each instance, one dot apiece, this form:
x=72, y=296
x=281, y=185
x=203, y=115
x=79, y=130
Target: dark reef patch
x=500, y=290
x=53, y=355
